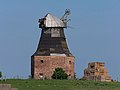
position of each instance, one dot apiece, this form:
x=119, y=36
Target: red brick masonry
x=43, y=66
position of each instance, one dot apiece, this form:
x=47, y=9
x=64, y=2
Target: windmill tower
x=52, y=51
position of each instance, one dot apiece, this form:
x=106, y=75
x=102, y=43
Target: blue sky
x=95, y=35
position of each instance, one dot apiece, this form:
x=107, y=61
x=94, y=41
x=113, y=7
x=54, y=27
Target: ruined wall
x=43, y=66
x=97, y=71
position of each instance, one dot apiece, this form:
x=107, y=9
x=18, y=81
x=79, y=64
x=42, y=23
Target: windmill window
x=41, y=61
x=41, y=74
x=70, y=62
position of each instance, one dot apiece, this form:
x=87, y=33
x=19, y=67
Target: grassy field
x=62, y=85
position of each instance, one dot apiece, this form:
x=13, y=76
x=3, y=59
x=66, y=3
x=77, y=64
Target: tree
x=59, y=73
x=0, y=74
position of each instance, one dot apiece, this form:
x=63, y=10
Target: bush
x=0, y=74
x=75, y=76
x=59, y=73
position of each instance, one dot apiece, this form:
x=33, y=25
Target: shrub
x=59, y=73
x=0, y=74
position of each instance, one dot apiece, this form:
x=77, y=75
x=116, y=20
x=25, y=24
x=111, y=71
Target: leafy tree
x=0, y=74
x=59, y=73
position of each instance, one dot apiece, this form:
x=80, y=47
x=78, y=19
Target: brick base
x=43, y=66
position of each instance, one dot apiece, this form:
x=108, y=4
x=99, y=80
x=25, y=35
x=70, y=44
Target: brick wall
x=43, y=66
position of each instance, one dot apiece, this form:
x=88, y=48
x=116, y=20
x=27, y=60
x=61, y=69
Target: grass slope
x=62, y=85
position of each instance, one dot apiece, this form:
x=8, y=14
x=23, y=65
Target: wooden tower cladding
x=52, y=51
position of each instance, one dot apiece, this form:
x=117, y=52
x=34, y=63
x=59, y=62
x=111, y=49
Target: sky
x=94, y=36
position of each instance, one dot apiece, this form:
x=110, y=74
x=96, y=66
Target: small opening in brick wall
x=70, y=62
x=41, y=74
x=92, y=66
x=41, y=61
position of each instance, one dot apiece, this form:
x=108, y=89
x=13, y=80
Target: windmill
x=52, y=51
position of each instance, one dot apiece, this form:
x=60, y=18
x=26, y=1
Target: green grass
x=62, y=85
